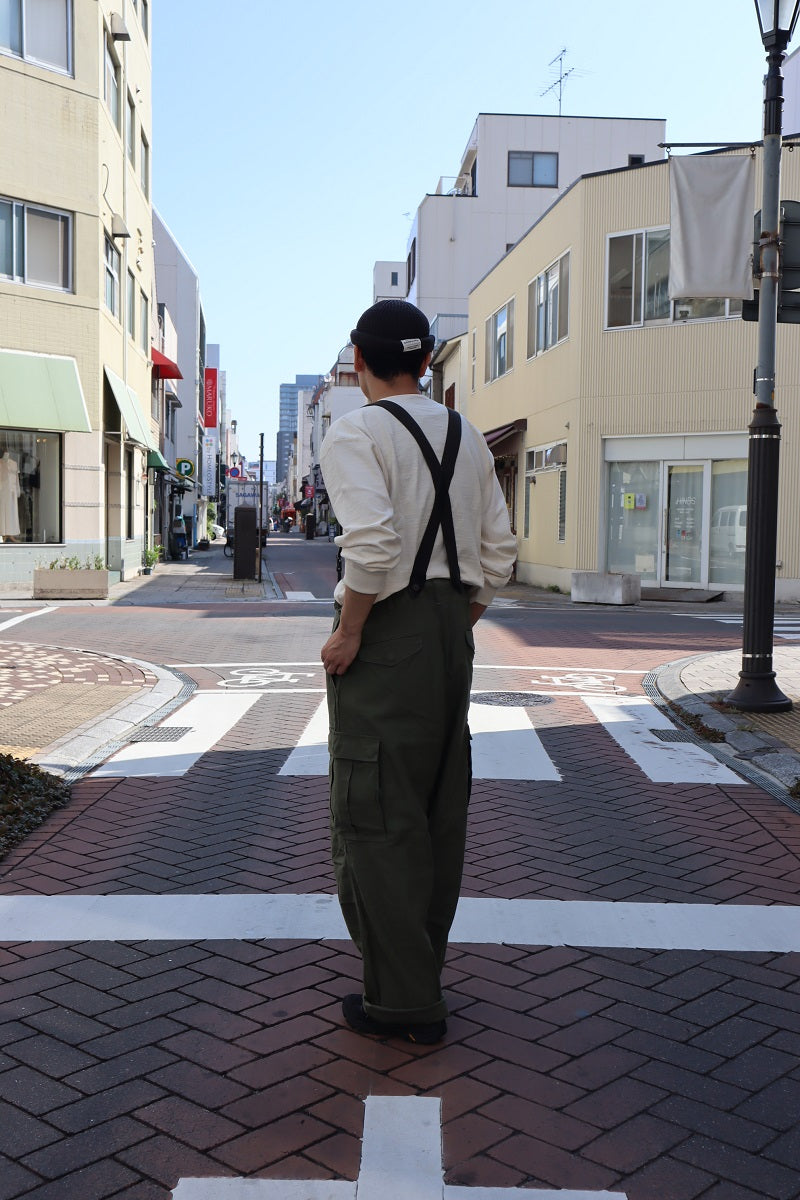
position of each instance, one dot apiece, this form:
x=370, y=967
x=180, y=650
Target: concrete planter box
x=83, y=584
x=595, y=587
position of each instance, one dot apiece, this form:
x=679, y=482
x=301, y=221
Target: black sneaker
x=425, y=1033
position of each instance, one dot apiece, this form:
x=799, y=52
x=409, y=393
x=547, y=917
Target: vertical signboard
x=210, y=399
x=209, y=485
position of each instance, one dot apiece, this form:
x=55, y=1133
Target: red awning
x=164, y=367
x=495, y=437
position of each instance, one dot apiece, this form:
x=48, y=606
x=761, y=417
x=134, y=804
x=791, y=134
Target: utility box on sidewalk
x=245, y=543
x=599, y=587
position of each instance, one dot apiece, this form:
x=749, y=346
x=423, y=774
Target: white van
x=729, y=530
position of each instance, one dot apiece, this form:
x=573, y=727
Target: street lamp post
x=757, y=690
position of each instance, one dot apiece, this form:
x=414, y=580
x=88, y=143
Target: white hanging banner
x=711, y=227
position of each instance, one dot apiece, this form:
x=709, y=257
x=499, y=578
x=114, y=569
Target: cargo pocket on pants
x=356, y=811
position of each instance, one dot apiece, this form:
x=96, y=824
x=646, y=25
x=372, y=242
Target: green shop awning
x=133, y=418
x=41, y=391
x=156, y=460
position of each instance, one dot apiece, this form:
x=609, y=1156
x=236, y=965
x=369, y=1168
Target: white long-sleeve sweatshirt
x=382, y=493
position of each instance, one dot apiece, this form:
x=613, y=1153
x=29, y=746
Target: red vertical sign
x=210, y=402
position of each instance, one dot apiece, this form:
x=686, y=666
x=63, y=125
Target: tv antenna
x=558, y=84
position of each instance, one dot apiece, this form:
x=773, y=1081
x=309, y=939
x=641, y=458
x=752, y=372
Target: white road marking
x=401, y=1159
x=630, y=721
x=36, y=612
x=210, y=718
x=506, y=746
x=741, y=928
x=478, y=666
x=310, y=755
x=787, y=628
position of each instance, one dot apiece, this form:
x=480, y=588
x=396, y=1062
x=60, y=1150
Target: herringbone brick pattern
x=659, y=1073
x=669, y=1075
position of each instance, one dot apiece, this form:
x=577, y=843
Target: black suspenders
x=441, y=513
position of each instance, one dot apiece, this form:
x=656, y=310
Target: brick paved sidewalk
x=60, y=707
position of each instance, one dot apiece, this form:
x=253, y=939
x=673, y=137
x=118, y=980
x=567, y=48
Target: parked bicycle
x=227, y=549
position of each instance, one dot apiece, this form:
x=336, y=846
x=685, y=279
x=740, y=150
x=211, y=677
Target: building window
x=548, y=307
x=562, y=506
x=637, y=284
x=638, y=278
x=411, y=266
x=111, y=81
x=474, y=345
x=500, y=342
x=30, y=486
x=635, y=160
x=35, y=245
x=146, y=20
x=144, y=164
x=130, y=304
x=39, y=31
x=130, y=131
x=144, y=323
x=539, y=461
x=112, y=278
x=532, y=168
x=395, y=278
x=129, y=494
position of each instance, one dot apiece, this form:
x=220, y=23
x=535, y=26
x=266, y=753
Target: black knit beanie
x=392, y=326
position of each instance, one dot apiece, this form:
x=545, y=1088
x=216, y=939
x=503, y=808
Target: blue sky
x=294, y=140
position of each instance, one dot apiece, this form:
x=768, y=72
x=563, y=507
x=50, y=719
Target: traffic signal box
x=789, y=286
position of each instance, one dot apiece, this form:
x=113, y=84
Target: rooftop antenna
x=562, y=75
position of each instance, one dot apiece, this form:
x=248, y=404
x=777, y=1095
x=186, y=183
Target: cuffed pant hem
x=409, y=1016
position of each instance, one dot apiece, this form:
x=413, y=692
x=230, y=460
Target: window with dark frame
x=35, y=245
x=532, y=168
x=129, y=494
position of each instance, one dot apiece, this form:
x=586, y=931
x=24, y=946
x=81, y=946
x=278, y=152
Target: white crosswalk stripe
x=786, y=628
x=505, y=744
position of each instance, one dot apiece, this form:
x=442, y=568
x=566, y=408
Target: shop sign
x=209, y=466
x=210, y=401
x=185, y=467
x=308, y=491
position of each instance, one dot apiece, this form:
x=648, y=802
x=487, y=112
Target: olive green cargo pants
x=400, y=782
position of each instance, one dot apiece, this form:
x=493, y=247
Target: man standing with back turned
x=426, y=542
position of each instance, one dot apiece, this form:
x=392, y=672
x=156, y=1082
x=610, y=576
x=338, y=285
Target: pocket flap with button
x=355, y=746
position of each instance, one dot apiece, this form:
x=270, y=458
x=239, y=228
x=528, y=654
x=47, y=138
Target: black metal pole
x=757, y=690
x=260, y=503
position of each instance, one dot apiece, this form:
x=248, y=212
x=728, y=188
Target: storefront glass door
x=683, y=486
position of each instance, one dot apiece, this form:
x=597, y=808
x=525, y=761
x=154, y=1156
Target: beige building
x=76, y=284
x=618, y=417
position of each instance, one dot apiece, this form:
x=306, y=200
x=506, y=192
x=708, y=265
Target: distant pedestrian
x=426, y=542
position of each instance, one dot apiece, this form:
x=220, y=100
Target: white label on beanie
x=411, y=344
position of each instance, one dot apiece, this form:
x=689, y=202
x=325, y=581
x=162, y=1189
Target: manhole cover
x=171, y=734
x=510, y=699
x=672, y=735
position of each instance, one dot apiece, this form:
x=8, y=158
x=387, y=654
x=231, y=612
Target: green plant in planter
x=151, y=555
x=71, y=562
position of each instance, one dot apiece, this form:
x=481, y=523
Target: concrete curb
x=94, y=740
x=758, y=756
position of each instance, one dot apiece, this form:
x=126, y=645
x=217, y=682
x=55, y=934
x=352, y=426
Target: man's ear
x=358, y=360
x=426, y=362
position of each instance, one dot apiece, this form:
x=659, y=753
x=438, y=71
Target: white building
x=178, y=288
x=513, y=169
